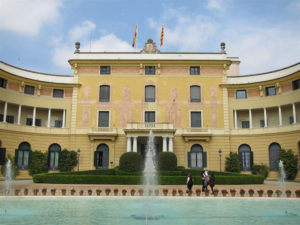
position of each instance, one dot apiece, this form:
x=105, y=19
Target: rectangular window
x=1, y=117
x=195, y=119
x=150, y=70
x=103, y=120
x=262, y=123
x=29, y=90
x=296, y=84
x=29, y=121
x=241, y=94
x=104, y=93
x=3, y=82
x=291, y=118
x=150, y=117
x=270, y=91
x=58, y=93
x=195, y=70
x=245, y=124
x=38, y=122
x=104, y=69
x=150, y=94
x=9, y=119
x=58, y=123
x=195, y=93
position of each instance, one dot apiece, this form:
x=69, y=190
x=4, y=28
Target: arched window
x=274, y=150
x=195, y=93
x=149, y=93
x=196, y=157
x=101, y=156
x=104, y=93
x=22, y=156
x=246, y=157
x=53, y=156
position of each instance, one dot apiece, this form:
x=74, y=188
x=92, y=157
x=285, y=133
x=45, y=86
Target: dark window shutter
x=251, y=160
x=29, y=158
x=2, y=156
x=16, y=156
x=105, y=159
x=95, y=158
x=241, y=159
x=189, y=159
x=204, y=158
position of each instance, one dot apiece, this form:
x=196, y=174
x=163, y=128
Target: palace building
x=197, y=105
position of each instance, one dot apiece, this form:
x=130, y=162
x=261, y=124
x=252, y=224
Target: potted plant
x=98, y=191
x=17, y=191
x=124, y=191
x=141, y=192
x=224, y=192
x=81, y=192
x=260, y=192
x=174, y=191
x=251, y=192
x=53, y=191
x=189, y=192
x=278, y=193
x=44, y=191
x=180, y=192
x=150, y=192
x=90, y=192
x=107, y=191
x=216, y=192
x=269, y=193
x=156, y=192
x=297, y=193
x=165, y=191
x=206, y=192
x=232, y=192
x=73, y=191
x=116, y=191
x=242, y=192
x=25, y=191
x=132, y=192
x=198, y=192
x=35, y=191
x=63, y=191
x=288, y=193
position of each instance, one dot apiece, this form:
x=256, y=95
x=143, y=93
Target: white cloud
x=220, y=5
x=27, y=17
x=64, y=49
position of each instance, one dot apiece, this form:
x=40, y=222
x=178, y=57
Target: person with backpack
x=190, y=182
x=212, y=182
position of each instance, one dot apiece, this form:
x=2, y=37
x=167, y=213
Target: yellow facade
x=192, y=115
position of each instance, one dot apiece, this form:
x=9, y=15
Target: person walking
x=212, y=183
x=190, y=182
x=205, y=180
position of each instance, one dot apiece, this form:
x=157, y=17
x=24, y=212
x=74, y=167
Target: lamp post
x=78, y=155
x=220, y=155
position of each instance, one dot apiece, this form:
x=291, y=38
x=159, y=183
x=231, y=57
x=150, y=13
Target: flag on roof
x=134, y=37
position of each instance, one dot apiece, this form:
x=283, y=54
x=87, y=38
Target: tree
x=290, y=163
x=233, y=163
x=39, y=163
x=67, y=160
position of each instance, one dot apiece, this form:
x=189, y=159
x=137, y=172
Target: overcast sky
x=39, y=35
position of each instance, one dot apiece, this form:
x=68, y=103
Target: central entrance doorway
x=142, y=146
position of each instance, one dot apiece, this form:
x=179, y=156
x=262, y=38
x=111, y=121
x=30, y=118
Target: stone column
x=19, y=114
x=64, y=118
x=250, y=118
x=170, y=144
x=5, y=112
x=33, y=116
x=265, y=117
x=294, y=114
x=280, y=115
x=164, y=144
x=128, y=144
x=49, y=118
x=135, y=144
x=235, y=119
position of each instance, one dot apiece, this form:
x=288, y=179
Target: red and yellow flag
x=135, y=34
x=162, y=36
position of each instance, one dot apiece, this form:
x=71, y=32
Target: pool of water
x=130, y=210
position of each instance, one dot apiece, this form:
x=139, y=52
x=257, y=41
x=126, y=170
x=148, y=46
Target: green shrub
x=67, y=160
x=39, y=163
x=262, y=170
x=233, y=163
x=167, y=161
x=131, y=162
x=290, y=162
x=14, y=167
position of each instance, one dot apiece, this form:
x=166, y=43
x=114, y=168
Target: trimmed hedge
x=167, y=161
x=131, y=162
x=57, y=178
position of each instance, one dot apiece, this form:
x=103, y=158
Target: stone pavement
x=22, y=184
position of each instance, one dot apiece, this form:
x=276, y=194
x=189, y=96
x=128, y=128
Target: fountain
x=150, y=182
x=8, y=178
x=282, y=177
